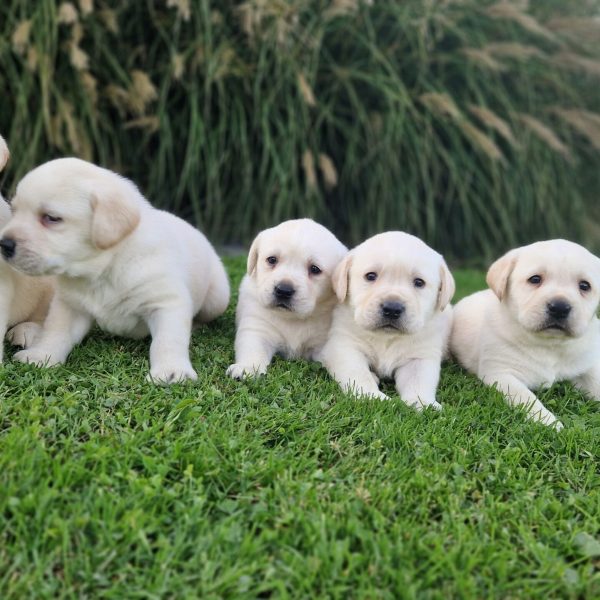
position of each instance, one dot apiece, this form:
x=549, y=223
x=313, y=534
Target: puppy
x=393, y=320
x=536, y=325
x=133, y=269
x=24, y=301
x=286, y=299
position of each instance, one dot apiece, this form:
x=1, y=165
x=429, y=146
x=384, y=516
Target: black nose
x=392, y=310
x=559, y=309
x=284, y=291
x=8, y=247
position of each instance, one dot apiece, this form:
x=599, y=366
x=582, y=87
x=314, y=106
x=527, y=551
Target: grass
x=474, y=124
x=284, y=487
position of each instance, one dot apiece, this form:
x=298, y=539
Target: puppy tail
x=217, y=297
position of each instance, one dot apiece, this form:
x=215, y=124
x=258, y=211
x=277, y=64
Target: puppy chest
x=115, y=314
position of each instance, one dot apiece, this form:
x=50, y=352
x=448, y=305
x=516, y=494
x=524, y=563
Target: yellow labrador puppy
x=133, y=269
x=24, y=300
x=536, y=325
x=286, y=298
x=393, y=320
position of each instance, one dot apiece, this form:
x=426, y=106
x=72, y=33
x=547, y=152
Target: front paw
x=545, y=417
x=168, y=374
x=420, y=405
x=237, y=371
x=24, y=334
x=38, y=357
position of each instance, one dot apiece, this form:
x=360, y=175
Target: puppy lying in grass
x=133, y=269
x=24, y=300
x=536, y=325
x=286, y=298
x=393, y=320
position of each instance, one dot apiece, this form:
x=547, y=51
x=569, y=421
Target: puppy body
x=24, y=301
x=510, y=335
x=285, y=308
x=394, y=319
x=133, y=269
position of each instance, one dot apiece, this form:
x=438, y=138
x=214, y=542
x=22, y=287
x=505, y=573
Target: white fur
x=300, y=330
x=133, y=269
x=360, y=349
x=24, y=300
x=500, y=334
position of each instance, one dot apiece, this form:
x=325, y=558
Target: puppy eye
x=585, y=286
x=314, y=270
x=50, y=219
x=272, y=260
x=418, y=282
x=535, y=279
x=371, y=276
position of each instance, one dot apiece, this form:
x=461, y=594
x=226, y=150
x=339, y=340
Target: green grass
x=284, y=487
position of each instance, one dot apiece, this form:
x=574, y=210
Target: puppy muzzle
x=391, y=315
x=283, y=293
x=557, y=315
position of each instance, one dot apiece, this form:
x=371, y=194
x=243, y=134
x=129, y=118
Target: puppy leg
x=169, y=351
x=589, y=383
x=417, y=382
x=518, y=394
x=253, y=354
x=64, y=328
x=24, y=334
x=350, y=369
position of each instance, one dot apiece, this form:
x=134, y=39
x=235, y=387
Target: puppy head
x=394, y=282
x=292, y=265
x=65, y=213
x=551, y=287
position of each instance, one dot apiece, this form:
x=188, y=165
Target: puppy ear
x=115, y=216
x=339, y=279
x=253, y=256
x=4, y=153
x=447, y=286
x=499, y=273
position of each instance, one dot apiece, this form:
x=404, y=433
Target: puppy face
x=394, y=282
x=292, y=265
x=4, y=207
x=551, y=288
x=64, y=213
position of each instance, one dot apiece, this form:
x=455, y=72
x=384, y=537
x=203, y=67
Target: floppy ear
x=115, y=216
x=4, y=153
x=253, y=256
x=447, y=286
x=339, y=279
x=499, y=273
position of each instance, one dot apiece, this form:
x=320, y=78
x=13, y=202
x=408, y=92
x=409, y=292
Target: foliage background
x=472, y=124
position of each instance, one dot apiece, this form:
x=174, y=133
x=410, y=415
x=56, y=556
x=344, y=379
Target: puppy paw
x=547, y=418
x=378, y=395
x=38, y=357
x=168, y=374
x=24, y=334
x=420, y=405
x=237, y=371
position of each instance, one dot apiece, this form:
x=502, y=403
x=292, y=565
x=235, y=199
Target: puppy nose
x=8, y=247
x=392, y=310
x=559, y=309
x=284, y=291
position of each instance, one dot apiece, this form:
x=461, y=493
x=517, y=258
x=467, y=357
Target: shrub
x=471, y=124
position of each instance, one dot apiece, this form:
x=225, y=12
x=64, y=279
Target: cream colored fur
x=505, y=334
x=131, y=268
x=363, y=347
x=300, y=329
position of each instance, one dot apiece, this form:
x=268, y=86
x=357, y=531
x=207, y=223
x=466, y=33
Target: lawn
x=283, y=487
